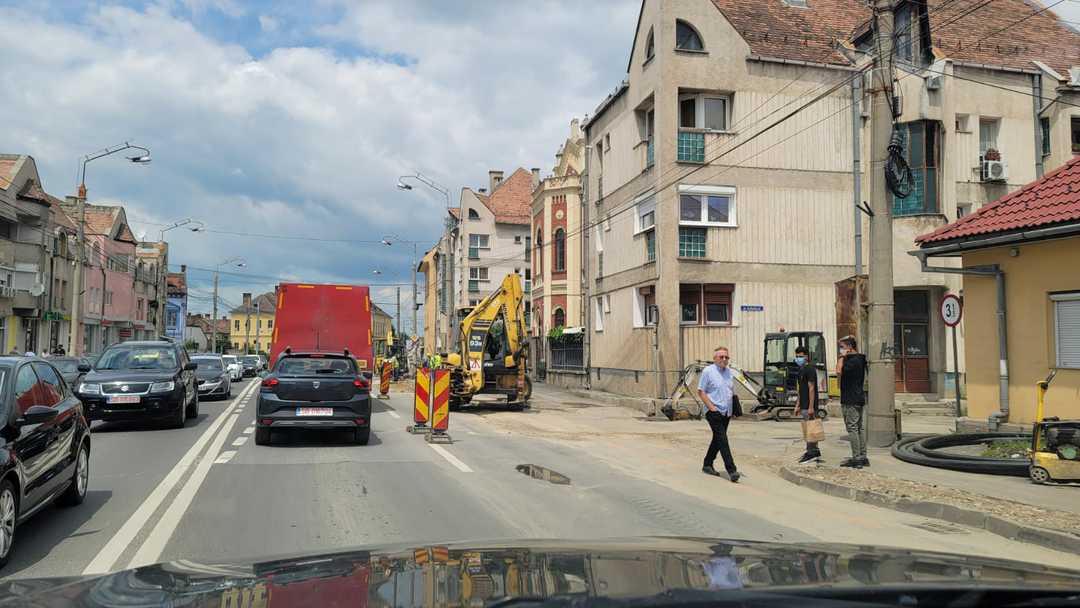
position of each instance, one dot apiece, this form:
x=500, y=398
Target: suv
x=314, y=391
x=251, y=364
x=140, y=380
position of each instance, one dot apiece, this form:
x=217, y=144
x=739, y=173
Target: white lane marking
x=472, y=432
x=106, y=558
x=240, y=441
x=249, y=430
x=461, y=466
x=225, y=456
x=150, y=552
x=393, y=414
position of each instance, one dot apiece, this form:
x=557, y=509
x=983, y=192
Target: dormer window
x=687, y=38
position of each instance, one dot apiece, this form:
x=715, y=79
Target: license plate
x=314, y=411
x=123, y=399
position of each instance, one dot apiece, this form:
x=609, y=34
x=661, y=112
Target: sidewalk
x=771, y=448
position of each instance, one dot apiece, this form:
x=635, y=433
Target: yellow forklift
x=1055, y=443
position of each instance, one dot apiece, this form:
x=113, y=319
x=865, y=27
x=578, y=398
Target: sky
x=297, y=118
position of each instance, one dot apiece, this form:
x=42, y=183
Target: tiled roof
x=454, y=211
x=1054, y=199
x=176, y=282
x=61, y=219
x=7, y=171
x=512, y=199
x=32, y=191
x=1005, y=33
x=126, y=235
x=267, y=303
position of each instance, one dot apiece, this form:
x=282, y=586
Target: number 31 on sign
x=951, y=310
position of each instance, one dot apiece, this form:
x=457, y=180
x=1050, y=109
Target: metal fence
x=569, y=356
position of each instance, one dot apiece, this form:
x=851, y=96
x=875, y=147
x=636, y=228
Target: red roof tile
x=1054, y=199
x=454, y=211
x=511, y=202
x=775, y=29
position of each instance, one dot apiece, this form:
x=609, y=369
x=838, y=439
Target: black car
x=314, y=391
x=251, y=365
x=69, y=368
x=44, y=444
x=142, y=380
x=214, y=379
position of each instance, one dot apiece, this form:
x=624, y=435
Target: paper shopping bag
x=813, y=430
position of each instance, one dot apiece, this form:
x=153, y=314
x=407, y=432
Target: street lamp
x=401, y=185
x=80, y=201
x=237, y=261
x=390, y=240
x=178, y=223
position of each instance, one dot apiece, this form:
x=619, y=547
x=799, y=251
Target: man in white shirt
x=717, y=389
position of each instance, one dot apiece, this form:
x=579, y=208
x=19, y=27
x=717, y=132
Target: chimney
x=183, y=268
x=247, y=301
x=536, y=176
x=494, y=177
x=482, y=190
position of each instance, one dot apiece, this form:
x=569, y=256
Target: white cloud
x=305, y=140
x=268, y=23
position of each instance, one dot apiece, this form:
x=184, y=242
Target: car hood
x=130, y=375
x=209, y=374
x=474, y=574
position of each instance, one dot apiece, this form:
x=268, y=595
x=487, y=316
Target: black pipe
x=924, y=450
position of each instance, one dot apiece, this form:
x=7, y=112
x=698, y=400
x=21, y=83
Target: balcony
x=691, y=146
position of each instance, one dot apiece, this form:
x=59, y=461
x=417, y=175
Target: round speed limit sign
x=951, y=310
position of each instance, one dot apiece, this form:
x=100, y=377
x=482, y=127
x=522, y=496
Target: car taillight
x=270, y=383
x=360, y=383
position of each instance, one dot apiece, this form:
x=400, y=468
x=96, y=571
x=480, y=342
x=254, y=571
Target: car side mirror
x=191, y=366
x=84, y=368
x=37, y=414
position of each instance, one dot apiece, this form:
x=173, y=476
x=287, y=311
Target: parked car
x=141, y=380
x=251, y=364
x=215, y=380
x=69, y=368
x=263, y=359
x=315, y=391
x=232, y=363
x=47, y=451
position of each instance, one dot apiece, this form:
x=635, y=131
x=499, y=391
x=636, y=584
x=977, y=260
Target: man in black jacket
x=851, y=369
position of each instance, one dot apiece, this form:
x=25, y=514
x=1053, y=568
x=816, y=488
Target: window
x=600, y=265
x=560, y=250
x=478, y=274
x=1067, y=329
x=922, y=155
x=647, y=126
x=963, y=209
x=902, y=25
x=25, y=383
x=697, y=111
x=1044, y=128
x=476, y=243
x=473, y=302
x=1075, y=124
x=236, y=345
x=963, y=123
x=708, y=304
x=650, y=246
x=598, y=307
x=269, y=324
x=650, y=46
x=691, y=242
x=51, y=388
x=686, y=37
x=237, y=325
x=645, y=306
x=7, y=229
x=706, y=206
x=258, y=324
x=473, y=215
x=559, y=317
x=108, y=296
x=540, y=252
x=517, y=239
x=528, y=249
x=645, y=214
x=988, y=134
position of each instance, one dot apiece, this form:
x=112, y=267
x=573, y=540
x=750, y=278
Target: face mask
x=800, y=360
x=844, y=351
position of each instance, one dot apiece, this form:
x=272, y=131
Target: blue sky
x=297, y=117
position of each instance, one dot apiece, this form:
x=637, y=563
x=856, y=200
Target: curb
x=1051, y=539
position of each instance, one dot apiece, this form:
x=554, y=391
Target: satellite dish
x=37, y=290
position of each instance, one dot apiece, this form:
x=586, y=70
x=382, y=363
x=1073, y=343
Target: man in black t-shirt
x=851, y=370
x=807, y=405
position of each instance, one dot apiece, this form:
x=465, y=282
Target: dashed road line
x=225, y=456
x=441, y=451
x=249, y=430
x=393, y=414
x=240, y=441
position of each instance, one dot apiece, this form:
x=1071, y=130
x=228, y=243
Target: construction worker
x=436, y=361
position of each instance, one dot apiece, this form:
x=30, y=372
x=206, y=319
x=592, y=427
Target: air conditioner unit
x=933, y=82
x=994, y=171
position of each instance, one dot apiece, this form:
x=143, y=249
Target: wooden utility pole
x=881, y=422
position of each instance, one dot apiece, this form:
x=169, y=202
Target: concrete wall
x=1038, y=270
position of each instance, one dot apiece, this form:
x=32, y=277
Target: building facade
x=152, y=263
x=429, y=267
x=252, y=327
x=382, y=326
x=712, y=228
x=176, y=303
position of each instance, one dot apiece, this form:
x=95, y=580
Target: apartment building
x=252, y=329
x=713, y=227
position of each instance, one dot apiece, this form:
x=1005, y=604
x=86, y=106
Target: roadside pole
x=951, y=312
x=881, y=423
x=213, y=322
x=77, y=280
x=247, y=328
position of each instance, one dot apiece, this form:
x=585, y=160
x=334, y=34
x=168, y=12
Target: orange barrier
x=421, y=401
x=440, y=407
x=384, y=380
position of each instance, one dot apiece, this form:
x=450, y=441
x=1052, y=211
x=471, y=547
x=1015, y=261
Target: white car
x=232, y=363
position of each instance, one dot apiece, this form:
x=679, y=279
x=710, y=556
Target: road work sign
x=421, y=401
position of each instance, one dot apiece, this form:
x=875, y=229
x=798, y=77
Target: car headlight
x=90, y=388
x=162, y=387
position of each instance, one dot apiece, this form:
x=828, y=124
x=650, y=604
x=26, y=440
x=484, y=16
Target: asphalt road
x=208, y=493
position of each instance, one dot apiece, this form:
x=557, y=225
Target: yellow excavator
x=492, y=350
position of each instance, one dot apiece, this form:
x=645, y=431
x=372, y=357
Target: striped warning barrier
x=421, y=401
x=440, y=407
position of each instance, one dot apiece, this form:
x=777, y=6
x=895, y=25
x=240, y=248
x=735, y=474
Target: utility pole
x=881, y=424
x=77, y=280
x=247, y=328
x=398, y=290
x=412, y=270
x=258, y=325
x=213, y=322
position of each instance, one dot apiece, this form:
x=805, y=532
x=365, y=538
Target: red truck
x=323, y=318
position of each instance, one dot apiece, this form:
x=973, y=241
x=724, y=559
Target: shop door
x=912, y=335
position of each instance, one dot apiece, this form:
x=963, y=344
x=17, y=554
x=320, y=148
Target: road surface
x=207, y=493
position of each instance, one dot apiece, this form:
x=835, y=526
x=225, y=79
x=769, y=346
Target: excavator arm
x=506, y=304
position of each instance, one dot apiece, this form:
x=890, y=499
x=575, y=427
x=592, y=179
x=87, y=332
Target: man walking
x=807, y=404
x=716, y=389
x=851, y=372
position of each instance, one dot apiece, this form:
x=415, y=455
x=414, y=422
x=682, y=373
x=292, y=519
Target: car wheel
x=181, y=416
x=362, y=436
x=76, y=491
x=193, y=409
x=9, y=512
x=262, y=436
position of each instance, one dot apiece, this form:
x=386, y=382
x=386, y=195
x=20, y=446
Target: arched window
x=650, y=46
x=559, y=244
x=540, y=252
x=559, y=318
x=686, y=37
x=473, y=215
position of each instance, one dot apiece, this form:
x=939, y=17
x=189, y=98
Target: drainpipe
x=586, y=292
x=990, y=270
x=1036, y=102
x=856, y=170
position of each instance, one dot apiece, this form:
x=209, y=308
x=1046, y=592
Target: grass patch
x=1006, y=449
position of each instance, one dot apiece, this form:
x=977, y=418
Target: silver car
x=232, y=363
